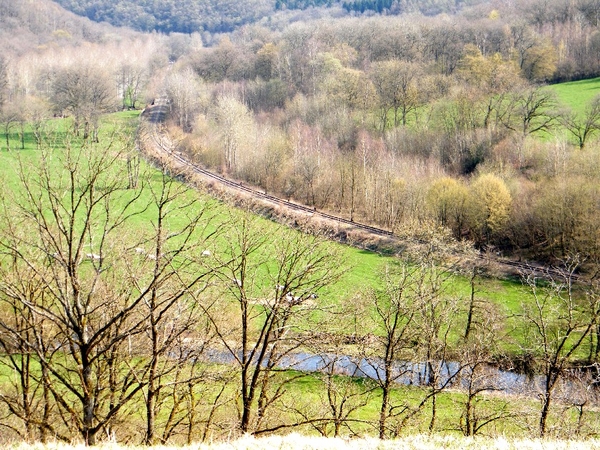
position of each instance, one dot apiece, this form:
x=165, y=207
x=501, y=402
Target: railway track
x=157, y=114
x=285, y=203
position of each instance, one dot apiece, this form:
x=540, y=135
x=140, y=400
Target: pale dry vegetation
x=299, y=442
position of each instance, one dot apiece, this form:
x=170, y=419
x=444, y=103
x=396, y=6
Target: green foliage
x=490, y=205
x=368, y=5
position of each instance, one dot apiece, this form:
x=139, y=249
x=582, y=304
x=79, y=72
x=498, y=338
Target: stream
x=406, y=373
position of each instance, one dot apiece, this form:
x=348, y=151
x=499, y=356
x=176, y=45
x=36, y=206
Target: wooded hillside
x=188, y=16
x=35, y=25
x=166, y=16
x=411, y=122
x=398, y=121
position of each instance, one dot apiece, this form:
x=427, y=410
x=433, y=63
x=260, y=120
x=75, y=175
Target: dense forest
x=185, y=16
x=446, y=129
x=191, y=16
x=405, y=121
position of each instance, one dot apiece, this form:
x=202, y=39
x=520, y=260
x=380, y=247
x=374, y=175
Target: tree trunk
x=46, y=416
x=89, y=434
x=433, y=412
x=245, y=422
x=468, y=431
x=151, y=396
x=25, y=380
x=471, y=304
x=383, y=414
x=150, y=413
x=544, y=413
x=551, y=379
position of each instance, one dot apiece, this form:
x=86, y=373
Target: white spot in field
x=93, y=256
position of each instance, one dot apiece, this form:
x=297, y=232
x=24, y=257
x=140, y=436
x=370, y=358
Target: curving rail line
x=260, y=194
x=157, y=114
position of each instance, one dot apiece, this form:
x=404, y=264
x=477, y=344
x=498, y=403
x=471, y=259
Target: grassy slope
x=506, y=294
x=363, y=265
x=577, y=94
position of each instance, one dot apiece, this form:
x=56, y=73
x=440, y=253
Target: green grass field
x=577, y=94
x=363, y=266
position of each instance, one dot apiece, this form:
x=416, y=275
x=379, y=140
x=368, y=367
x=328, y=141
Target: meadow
x=577, y=94
x=363, y=265
x=362, y=271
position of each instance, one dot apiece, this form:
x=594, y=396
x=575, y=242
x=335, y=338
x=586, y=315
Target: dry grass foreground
x=299, y=442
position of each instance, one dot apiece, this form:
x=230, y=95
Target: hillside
x=186, y=16
x=34, y=25
x=138, y=311
x=190, y=16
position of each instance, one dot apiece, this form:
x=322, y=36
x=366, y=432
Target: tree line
x=206, y=17
x=403, y=124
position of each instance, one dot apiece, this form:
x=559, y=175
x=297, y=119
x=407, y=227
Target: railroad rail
x=156, y=115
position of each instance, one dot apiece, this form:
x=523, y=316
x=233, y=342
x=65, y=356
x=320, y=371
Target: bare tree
x=394, y=315
x=130, y=80
x=26, y=393
x=11, y=116
x=65, y=232
x=436, y=317
x=583, y=128
x=265, y=308
x=531, y=110
x=558, y=323
x=172, y=255
x=478, y=375
x=235, y=123
x=577, y=396
x=396, y=82
x=412, y=319
x=67, y=255
x=345, y=393
x=182, y=89
x=37, y=112
x=84, y=92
